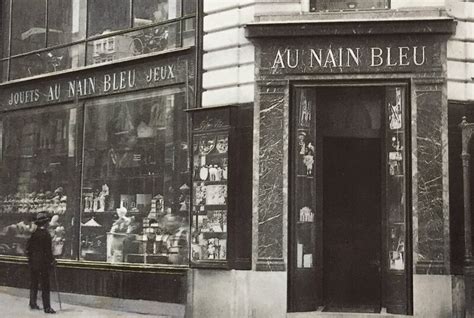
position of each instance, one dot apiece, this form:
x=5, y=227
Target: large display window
x=135, y=188
x=45, y=36
x=37, y=172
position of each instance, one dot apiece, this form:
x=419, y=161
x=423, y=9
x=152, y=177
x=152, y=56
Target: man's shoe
x=35, y=307
x=49, y=311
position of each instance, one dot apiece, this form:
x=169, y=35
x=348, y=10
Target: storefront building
x=351, y=209
x=238, y=158
x=93, y=130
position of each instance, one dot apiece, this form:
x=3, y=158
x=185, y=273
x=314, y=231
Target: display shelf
x=208, y=182
x=136, y=177
x=98, y=213
x=95, y=213
x=214, y=207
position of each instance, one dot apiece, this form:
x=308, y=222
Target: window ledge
x=162, y=268
x=305, y=26
x=416, y=13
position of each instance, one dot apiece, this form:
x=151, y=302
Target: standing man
x=40, y=259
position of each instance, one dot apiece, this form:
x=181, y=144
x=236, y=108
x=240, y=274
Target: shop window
x=3, y=70
x=69, y=26
x=47, y=61
x=37, y=173
x=155, y=11
x=5, y=29
x=338, y=5
x=189, y=7
x=144, y=41
x=136, y=192
x=28, y=25
x=108, y=15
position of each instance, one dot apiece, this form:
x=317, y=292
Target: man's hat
x=42, y=218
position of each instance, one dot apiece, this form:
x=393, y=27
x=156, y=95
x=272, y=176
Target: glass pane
x=189, y=32
x=321, y=5
x=135, y=197
x=68, y=26
x=395, y=177
x=210, y=174
x=35, y=176
x=155, y=11
x=150, y=40
x=305, y=196
x=189, y=7
x=47, y=62
x=3, y=71
x=28, y=25
x=108, y=15
x=5, y=28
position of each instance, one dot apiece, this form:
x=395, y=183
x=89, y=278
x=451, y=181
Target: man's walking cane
x=57, y=287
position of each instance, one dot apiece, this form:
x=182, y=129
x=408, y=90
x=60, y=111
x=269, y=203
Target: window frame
x=87, y=40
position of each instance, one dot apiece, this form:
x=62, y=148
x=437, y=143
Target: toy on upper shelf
x=157, y=207
x=99, y=200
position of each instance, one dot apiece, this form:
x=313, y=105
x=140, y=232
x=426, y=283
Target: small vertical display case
x=217, y=167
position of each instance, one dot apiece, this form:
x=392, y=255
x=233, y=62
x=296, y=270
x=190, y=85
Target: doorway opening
x=352, y=224
x=351, y=122
x=348, y=208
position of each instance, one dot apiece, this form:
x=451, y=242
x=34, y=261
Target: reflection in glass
x=135, y=195
x=150, y=40
x=5, y=28
x=47, y=62
x=69, y=25
x=28, y=25
x=189, y=7
x=189, y=29
x=107, y=16
x=155, y=11
x=35, y=176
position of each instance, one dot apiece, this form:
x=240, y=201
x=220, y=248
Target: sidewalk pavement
x=17, y=307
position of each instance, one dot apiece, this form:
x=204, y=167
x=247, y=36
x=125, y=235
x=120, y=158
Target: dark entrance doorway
x=352, y=224
x=348, y=218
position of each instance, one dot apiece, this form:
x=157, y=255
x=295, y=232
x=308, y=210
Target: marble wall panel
x=271, y=191
x=431, y=216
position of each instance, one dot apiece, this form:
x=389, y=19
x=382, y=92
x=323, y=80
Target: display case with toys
x=221, y=192
x=18, y=212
